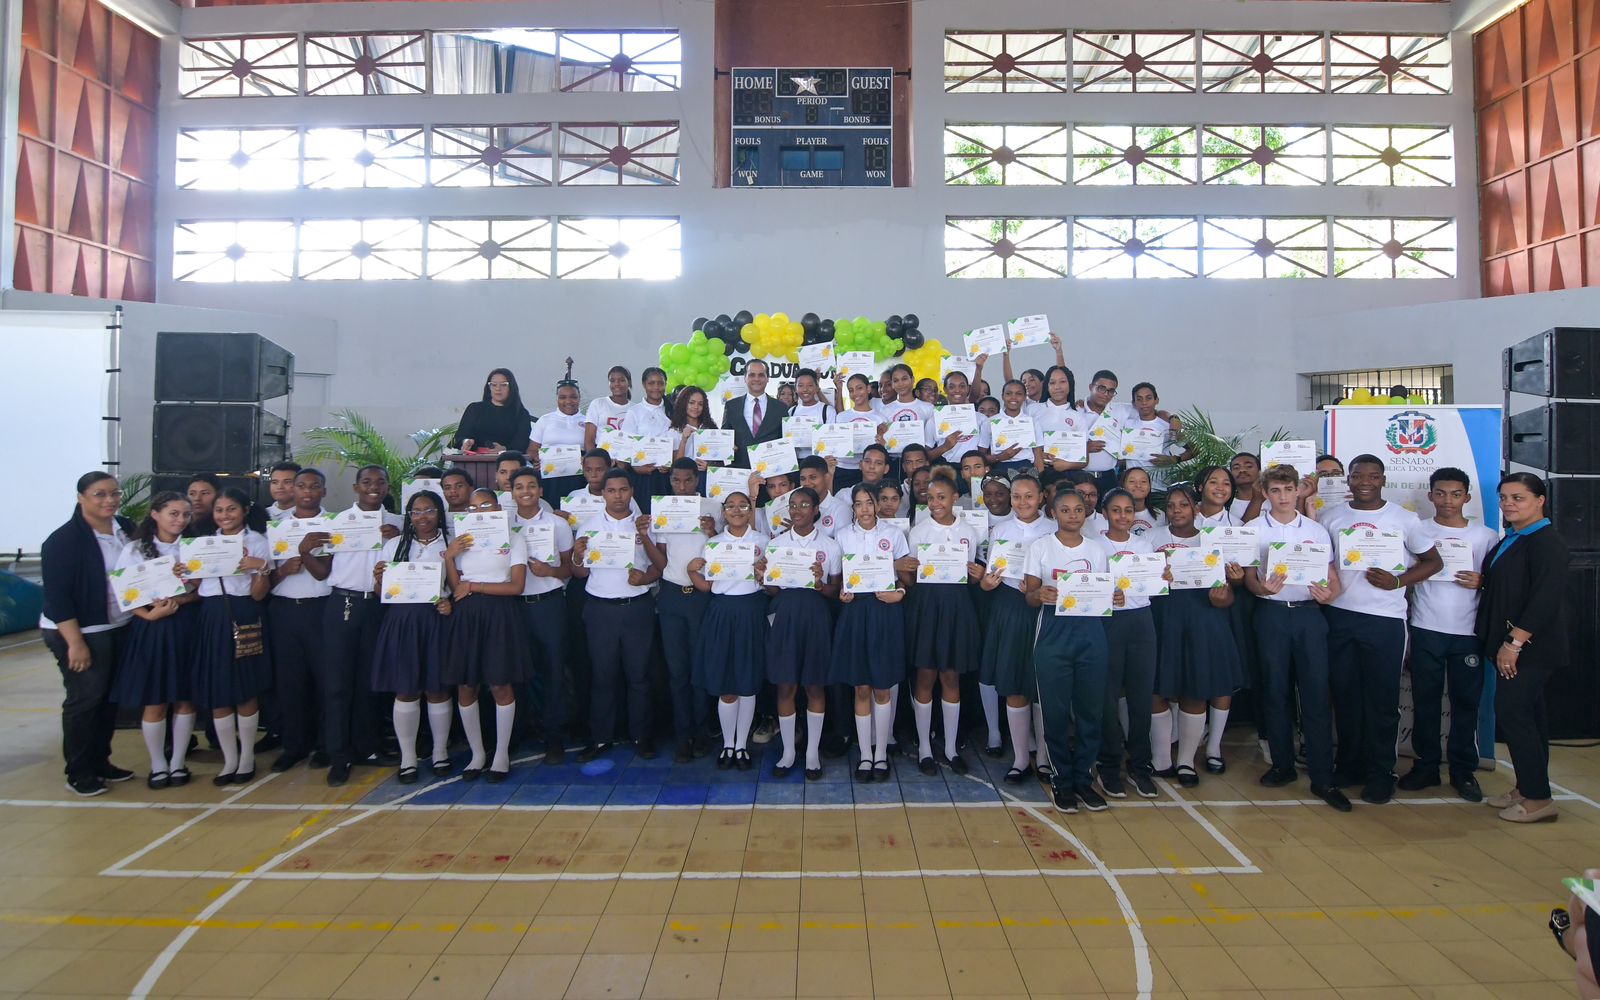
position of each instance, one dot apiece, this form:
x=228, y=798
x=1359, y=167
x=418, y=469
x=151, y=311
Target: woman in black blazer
x=1522, y=627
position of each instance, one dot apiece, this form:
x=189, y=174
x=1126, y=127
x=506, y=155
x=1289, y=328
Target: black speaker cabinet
x=1563, y=363
x=1575, y=511
x=1556, y=437
x=1572, y=696
x=221, y=368
x=216, y=437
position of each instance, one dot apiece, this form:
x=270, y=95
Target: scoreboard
x=812, y=127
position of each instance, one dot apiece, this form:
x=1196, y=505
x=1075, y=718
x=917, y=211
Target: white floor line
x=152, y=975
x=1566, y=793
x=1194, y=814
x=188, y=823
x=687, y=876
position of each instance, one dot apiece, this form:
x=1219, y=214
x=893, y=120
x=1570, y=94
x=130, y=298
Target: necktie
x=757, y=428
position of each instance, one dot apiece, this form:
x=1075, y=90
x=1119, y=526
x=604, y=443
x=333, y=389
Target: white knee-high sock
x=182, y=729
x=786, y=727
x=747, y=715
x=504, y=717
x=991, y=712
x=1020, y=721
x=155, y=739
x=882, y=730
x=474, y=730
x=228, y=738
x=951, y=713
x=1219, y=721
x=924, y=713
x=814, y=722
x=1041, y=749
x=728, y=717
x=407, y=720
x=864, y=736
x=1190, y=728
x=1161, y=740
x=439, y=726
x=247, y=741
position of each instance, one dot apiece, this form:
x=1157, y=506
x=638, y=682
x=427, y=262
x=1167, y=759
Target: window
x=1263, y=62
x=1265, y=248
x=1005, y=247
x=1389, y=64
x=245, y=66
x=238, y=159
x=1005, y=154
x=367, y=64
x=1142, y=247
x=1264, y=154
x=619, y=153
x=252, y=250
x=1133, y=154
x=620, y=60
x=389, y=157
x=618, y=248
x=1393, y=155
x=490, y=155
x=360, y=248
x=1007, y=62
x=1133, y=61
x=1394, y=248
x=460, y=249
x=1436, y=383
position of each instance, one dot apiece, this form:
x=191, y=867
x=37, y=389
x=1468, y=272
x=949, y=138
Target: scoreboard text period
x=812, y=127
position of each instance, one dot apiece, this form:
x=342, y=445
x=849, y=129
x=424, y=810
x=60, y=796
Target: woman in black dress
x=499, y=421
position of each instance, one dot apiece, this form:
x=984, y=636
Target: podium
x=480, y=468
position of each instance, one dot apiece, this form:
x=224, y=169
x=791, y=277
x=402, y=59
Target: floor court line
x=187, y=824
x=687, y=876
x=1566, y=793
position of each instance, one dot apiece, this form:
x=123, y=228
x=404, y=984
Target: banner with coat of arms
x=1413, y=440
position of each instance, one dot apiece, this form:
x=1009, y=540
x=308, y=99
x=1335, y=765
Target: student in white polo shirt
x=680, y=609
x=543, y=602
x=294, y=626
x=1292, y=642
x=1367, y=633
x=1444, y=610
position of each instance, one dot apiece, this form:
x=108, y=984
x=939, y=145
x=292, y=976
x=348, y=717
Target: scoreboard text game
x=816, y=127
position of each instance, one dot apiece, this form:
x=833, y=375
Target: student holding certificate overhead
x=1297, y=576
x=1374, y=542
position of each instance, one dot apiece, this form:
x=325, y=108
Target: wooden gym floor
x=628, y=878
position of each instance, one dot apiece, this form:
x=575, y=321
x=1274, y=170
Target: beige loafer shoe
x=1504, y=800
x=1518, y=812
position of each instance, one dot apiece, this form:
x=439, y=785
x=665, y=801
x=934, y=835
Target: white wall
x=411, y=354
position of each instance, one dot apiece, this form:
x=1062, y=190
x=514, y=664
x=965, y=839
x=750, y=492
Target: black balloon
x=826, y=326
x=910, y=321
x=741, y=346
x=730, y=345
x=894, y=325
x=912, y=338
x=894, y=320
x=712, y=328
x=724, y=319
x=716, y=331
x=700, y=324
x=811, y=336
x=743, y=316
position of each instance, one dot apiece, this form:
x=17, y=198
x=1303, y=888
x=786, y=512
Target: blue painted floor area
x=620, y=778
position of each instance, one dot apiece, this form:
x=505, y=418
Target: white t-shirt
x=613, y=583
x=605, y=415
x=646, y=420
x=834, y=514
x=873, y=416
x=1048, y=416
x=1439, y=603
x=882, y=540
x=910, y=413
x=302, y=585
x=1134, y=544
x=739, y=588
x=820, y=412
x=1048, y=558
x=1301, y=531
x=682, y=549
x=1113, y=418
x=561, y=533
x=480, y=564
x=1147, y=520
x=557, y=428
x=818, y=541
x=111, y=547
x=1010, y=529
x=255, y=547
x=927, y=531
x=1222, y=518
x=353, y=570
x=1356, y=594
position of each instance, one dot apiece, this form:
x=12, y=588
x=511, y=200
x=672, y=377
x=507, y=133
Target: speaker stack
x=210, y=414
x=1560, y=440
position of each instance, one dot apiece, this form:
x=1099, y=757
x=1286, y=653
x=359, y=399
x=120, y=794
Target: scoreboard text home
x=816, y=127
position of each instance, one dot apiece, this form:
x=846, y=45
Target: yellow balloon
x=782, y=319
x=762, y=319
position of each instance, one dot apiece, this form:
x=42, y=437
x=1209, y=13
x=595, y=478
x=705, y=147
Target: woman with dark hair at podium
x=497, y=422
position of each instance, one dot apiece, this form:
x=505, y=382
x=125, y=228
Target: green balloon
x=679, y=355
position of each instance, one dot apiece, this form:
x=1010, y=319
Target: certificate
x=410, y=487
x=773, y=458
x=817, y=357
x=775, y=514
x=1239, y=544
x=957, y=418
x=792, y=567
x=903, y=523
x=1140, y=574
x=868, y=573
x=1013, y=432
x=1457, y=556
x=1197, y=568
x=613, y=441
x=862, y=433
x=1302, y=564
x=1025, y=331
x=561, y=460
x=1084, y=595
x=1298, y=455
x=211, y=555
x=675, y=515
x=490, y=529
x=799, y=430
x=540, y=540
x=1008, y=557
x=1106, y=430
x=730, y=562
x=1331, y=490
x=1369, y=548
x=580, y=505
x=976, y=519
x=1141, y=444
x=1067, y=445
x=721, y=482
x=904, y=432
x=655, y=449
x=285, y=535
x=713, y=446
x=609, y=549
x=836, y=440
x=413, y=582
x=144, y=583
x=985, y=340
x=942, y=562
x=355, y=531
x=857, y=363
x=965, y=366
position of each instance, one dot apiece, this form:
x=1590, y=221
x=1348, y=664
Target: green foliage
x=355, y=442
x=136, y=496
x=1210, y=446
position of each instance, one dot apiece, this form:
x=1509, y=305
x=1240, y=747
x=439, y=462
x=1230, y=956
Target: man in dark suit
x=755, y=417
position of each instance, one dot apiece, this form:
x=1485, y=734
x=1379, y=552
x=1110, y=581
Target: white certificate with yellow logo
x=957, y=418
x=212, y=555
x=144, y=583
x=1066, y=445
x=490, y=529
x=1299, y=455
x=834, y=440
x=942, y=562
x=285, y=535
x=868, y=572
x=1025, y=331
x=724, y=481
x=1199, y=568
x=609, y=549
x=1371, y=548
x=712, y=446
x=1084, y=595
x=791, y=566
x=561, y=460
x=857, y=363
x=1008, y=557
x=413, y=583
x=1013, y=432
x=1239, y=543
x=355, y=530
x=675, y=515
x=1301, y=564
x=773, y=458
x=1140, y=574
x=730, y=562
x=985, y=340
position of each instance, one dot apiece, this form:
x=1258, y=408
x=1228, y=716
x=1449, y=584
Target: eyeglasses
x=1109, y=390
x=736, y=506
x=802, y=505
x=417, y=515
x=114, y=495
x=499, y=385
x=483, y=506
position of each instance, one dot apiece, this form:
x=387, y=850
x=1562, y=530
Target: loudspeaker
x=1574, y=507
x=1572, y=695
x=1556, y=437
x=221, y=368
x=1563, y=363
x=216, y=437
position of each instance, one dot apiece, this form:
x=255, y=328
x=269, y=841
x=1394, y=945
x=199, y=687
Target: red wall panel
x=85, y=196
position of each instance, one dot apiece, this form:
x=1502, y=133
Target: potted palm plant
x=355, y=442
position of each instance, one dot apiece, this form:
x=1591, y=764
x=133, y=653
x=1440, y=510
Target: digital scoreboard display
x=812, y=127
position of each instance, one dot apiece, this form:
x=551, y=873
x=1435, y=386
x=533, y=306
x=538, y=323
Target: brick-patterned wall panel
x=1537, y=89
x=85, y=195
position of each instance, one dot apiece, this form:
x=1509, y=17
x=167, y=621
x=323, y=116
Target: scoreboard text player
x=814, y=127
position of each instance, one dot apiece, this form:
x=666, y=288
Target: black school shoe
x=1416, y=779
x=1066, y=802
x=1280, y=776
x=286, y=760
x=1111, y=782
x=1378, y=790
x=1332, y=796
x=1090, y=798
x=87, y=788
x=112, y=773
x=1143, y=785
x=1466, y=786
x=338, y=773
